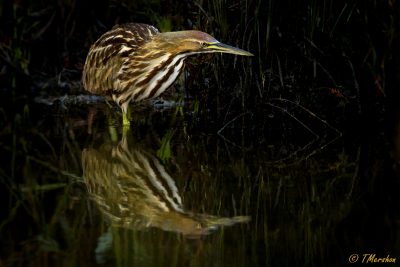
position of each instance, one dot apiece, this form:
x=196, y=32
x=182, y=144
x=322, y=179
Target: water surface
x=258, y=190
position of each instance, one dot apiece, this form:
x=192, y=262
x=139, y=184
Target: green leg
x=112, y=130
x=125, y=130
x=126, y=123
x=126, y=117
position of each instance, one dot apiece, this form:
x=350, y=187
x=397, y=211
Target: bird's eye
x=204, y=44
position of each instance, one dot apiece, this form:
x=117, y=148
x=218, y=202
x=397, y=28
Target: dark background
x=325, y=54
x=339, y=60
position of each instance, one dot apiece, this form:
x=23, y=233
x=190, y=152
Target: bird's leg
x=112, y=130
x=125, y=119
x=110, y=117
x=126, y=123
x=126, y=115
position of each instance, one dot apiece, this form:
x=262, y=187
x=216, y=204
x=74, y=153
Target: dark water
x=258, y=190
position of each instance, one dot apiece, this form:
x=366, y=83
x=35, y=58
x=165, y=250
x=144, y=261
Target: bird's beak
x=223, y=48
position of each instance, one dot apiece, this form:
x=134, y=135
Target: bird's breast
x=161, y=78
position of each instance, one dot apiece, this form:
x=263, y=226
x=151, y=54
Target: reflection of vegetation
x=295, y=208
x=294, y=204
x=164, y=153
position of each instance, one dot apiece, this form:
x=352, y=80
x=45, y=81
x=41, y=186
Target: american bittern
x=133, y=62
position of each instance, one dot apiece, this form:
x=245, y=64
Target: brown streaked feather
x=108, y=55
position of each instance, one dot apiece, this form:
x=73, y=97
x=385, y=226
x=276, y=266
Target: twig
x=355, y=175
x=356, y=85
x=55, y=169
x=232, y=120
x=296, y=119
x=309, y=112
x=280, y=72
x=339, y=134
x=294, y=153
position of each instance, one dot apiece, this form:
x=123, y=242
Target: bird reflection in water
x=133, y=190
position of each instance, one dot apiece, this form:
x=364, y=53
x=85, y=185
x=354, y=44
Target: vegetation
x=339, y=52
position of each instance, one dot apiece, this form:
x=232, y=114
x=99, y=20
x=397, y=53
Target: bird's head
x=195, y=42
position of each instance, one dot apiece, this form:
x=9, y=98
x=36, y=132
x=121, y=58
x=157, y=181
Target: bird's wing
x=139, y=32
x=106, y=55
x=122, y=39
